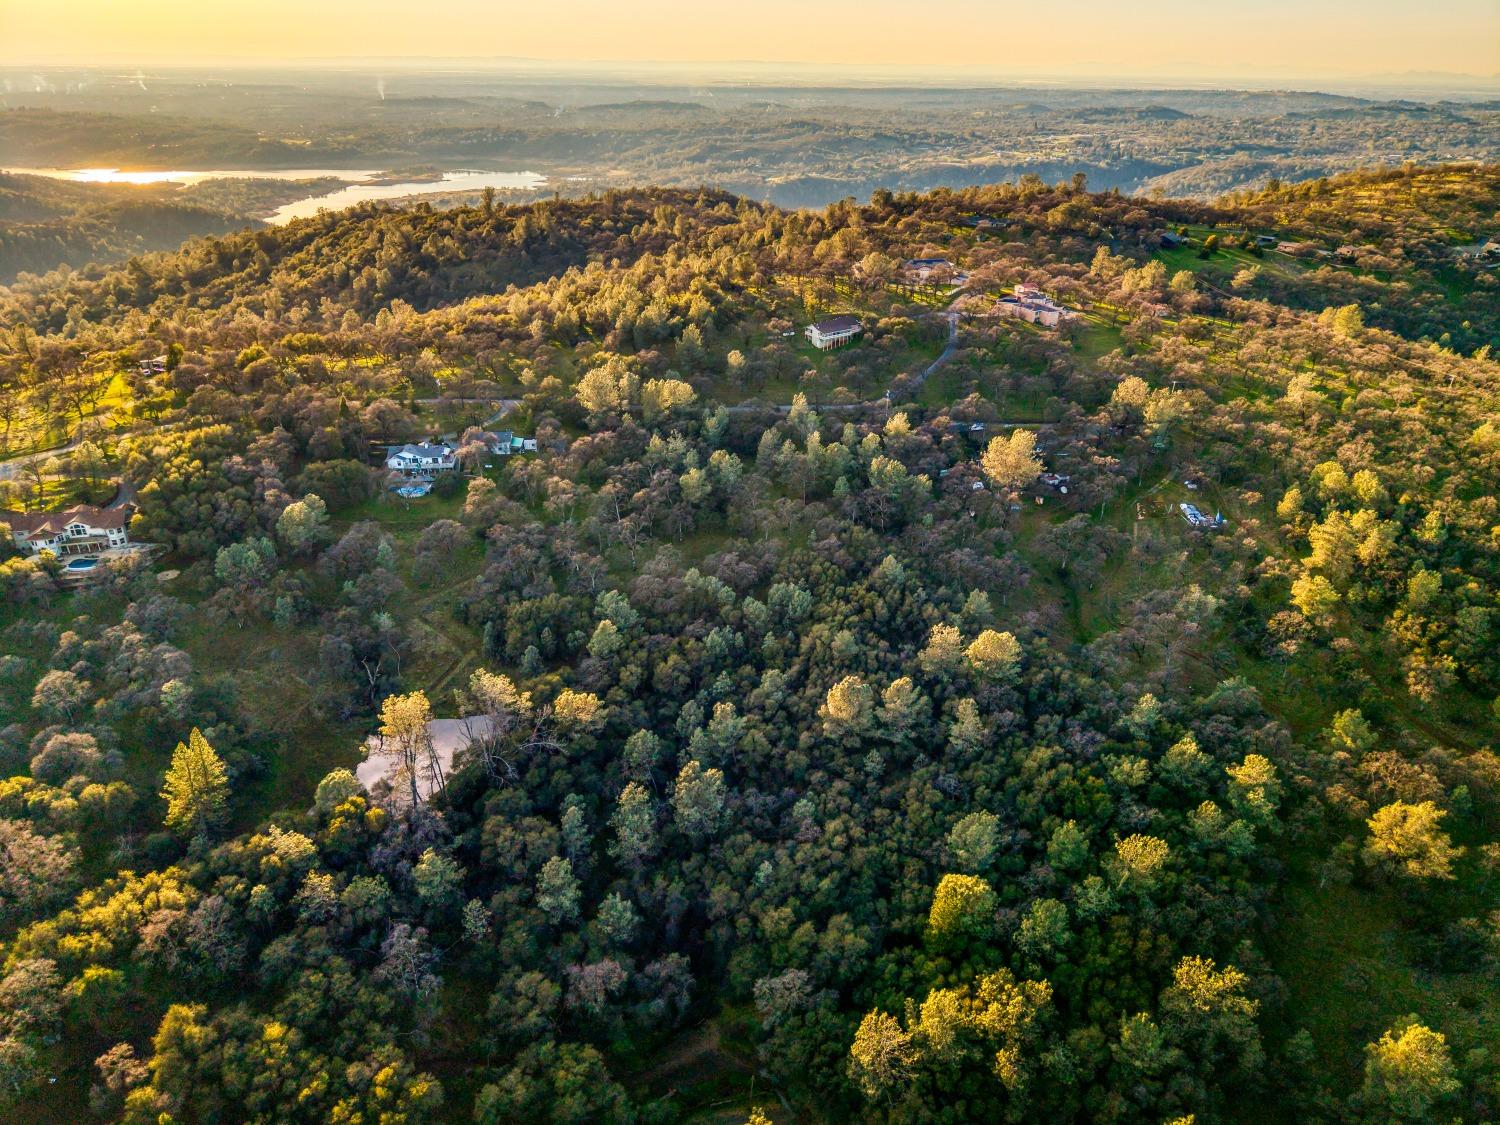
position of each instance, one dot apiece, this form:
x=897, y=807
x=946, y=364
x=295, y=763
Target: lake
x=359, y=189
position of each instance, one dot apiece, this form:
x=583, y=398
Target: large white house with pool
x=80, y=530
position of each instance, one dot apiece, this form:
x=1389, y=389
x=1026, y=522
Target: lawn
x=1095, y=339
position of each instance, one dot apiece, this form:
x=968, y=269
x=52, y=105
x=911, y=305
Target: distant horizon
x=792, y=72
x=1312, y=42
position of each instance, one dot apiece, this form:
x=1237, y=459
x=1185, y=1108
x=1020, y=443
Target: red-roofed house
x=80, y=530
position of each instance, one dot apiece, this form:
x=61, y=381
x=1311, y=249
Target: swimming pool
x=82, y=564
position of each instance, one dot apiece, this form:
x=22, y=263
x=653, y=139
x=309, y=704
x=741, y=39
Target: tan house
x=925, y=270
x=1033, y=306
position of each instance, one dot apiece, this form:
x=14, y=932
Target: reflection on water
x=359, y=189
x=115, y=176
x=362, y=193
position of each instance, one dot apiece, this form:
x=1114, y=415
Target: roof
x=423, y=449
x=1036, y=304
x=918, y=263
x=837, y=324
x=47, y=524
x=1198, y=518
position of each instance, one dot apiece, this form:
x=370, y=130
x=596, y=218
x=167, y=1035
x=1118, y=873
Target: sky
x=1302, y=38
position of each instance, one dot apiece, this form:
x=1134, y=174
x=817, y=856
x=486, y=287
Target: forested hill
x=980, y=721
x=1388, y=240
x=362, y=259
x=43, y=225
x=46, y=223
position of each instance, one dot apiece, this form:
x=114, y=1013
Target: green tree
x=1408, y=1073
x=963, y=906
x=1068, y=849
x=243, y=569
x=439, y=882
x=196, y=788
x=881, y=1056
x=943, y=651
x=556, y=1083
x=558, y=891
x=634, y=822
x=698, y=800
x=1139, y=859
x=848, y=708
x=902, y=706
x=303, y=524
x=1315, y=598
x=1044, y=929
x=662, y=396
x=606, y=640
x=1205, y=1008
x=1254, y=789
x=1351, y=732
x=994, y=655
x=406, y=738
x=1407, y=839
x=1010, y=462
x=973, y=839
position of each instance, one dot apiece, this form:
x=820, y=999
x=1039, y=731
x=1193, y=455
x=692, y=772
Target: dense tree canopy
x=810, y=733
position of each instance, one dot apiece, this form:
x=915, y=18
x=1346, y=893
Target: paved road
x=11, y=469
x=504, y=407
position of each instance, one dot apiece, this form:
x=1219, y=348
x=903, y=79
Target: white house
x=423, y=459
x=502, y=443
x=1033, y=306
x=834, y=332
x=80, y=530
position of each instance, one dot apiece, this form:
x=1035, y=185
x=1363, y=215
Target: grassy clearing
x=1096, y=339
x=1364, y=932
x=272, y=670
x=708, y=1072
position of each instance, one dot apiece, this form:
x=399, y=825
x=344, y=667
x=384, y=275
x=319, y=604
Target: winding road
x=11, y=468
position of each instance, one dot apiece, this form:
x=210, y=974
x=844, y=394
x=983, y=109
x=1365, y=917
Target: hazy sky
x=1309, y=38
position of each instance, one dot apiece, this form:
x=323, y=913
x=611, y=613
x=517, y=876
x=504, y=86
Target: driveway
x=12, y=468
x=947, y=352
